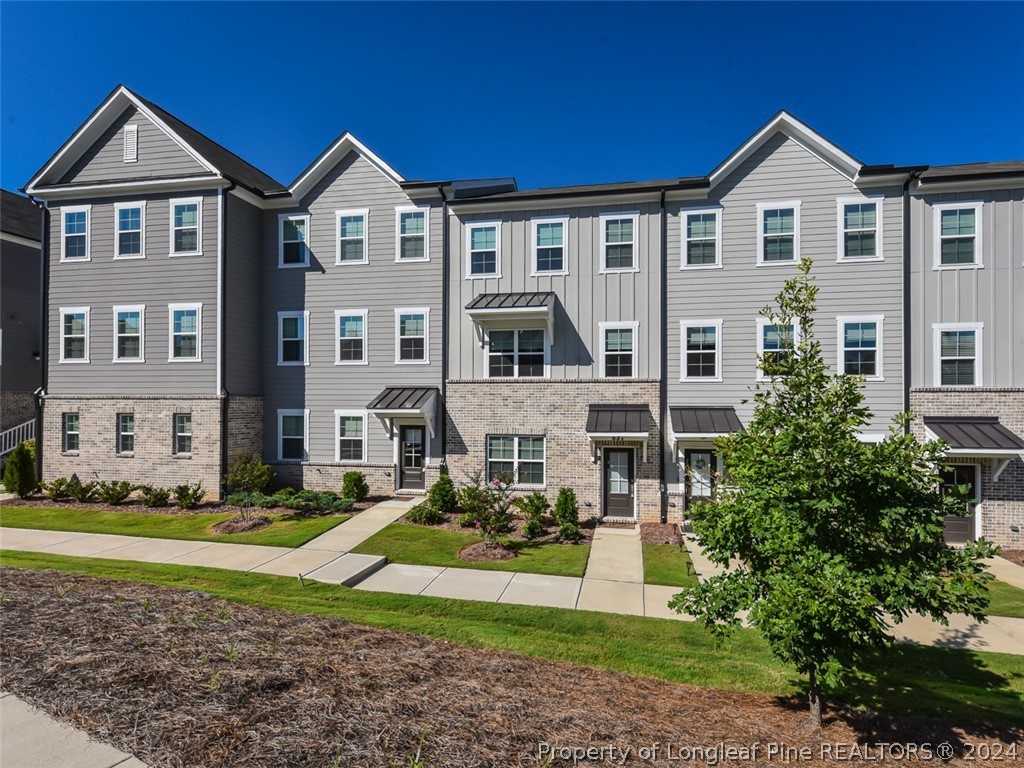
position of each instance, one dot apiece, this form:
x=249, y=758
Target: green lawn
x=963, y=685
x=667, y=564
x=286, y=530
x=1005, y=600
x=422, y=545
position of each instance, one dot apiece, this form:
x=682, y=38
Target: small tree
x=442, y=494
x=489, y=504
x=20, y=471
x=249, y=475
x=827, y=535
x=353, y=486
x=533, y=507
x=567, y=515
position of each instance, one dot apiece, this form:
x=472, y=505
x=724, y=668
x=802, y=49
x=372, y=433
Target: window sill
x=944, y=267
x=189, y=253
x=75, y=261
x=550, y=273
x=791, y=263
x=283, y=364
x=125, y=455
x=70, y=453
x=129, y=360
x=62, y=362
x=859, y=260
x=351, y=362
x=134, y=257
x=293, y=266
x=412, y=362
x=623, y=271
x=184, y=359
x=700, y=380
x=181, y=455
x=412, y=261
x=350, y=263
x=488, y=276
x=688, y=267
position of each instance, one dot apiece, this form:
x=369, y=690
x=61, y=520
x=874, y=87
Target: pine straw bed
x=182, y=679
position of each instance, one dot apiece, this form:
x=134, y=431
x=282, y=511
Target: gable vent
x=131, y=143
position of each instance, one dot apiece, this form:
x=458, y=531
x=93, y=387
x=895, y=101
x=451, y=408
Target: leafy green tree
x=20, y=471
x=830, y=538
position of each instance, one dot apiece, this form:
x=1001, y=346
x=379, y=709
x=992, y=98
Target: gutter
x=663, y=361
x=44, y=311
x=445, y=330
x=222, y=352
x=907, y=319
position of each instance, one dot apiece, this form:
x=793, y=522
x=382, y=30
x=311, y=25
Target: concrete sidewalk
x=353, y=532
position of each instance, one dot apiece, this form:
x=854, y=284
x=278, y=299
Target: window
x=129, y=323
x=701, y=353
x=702, y=238
x=351, y=435
x=183, y=434
x=185, y=333
x=957, y=235
x=774, y=345
x=618, y=241
x=126, y=433
x=958, y=354
x=860, y=346
x=412, y=236
x=131, y=143
x=516, y=354
x=293, y=250
x=483, y=250
x=74, y=244
x=350, y=329
x=74, y=335
x=516, y=459
x=963, y=474
x=778, y=240
x=549, y=256
x=291, y=338
x=352, y=247
x=186, y=224
x=130, y=221
x=618, y=349
x=411, y=330
x=860, y=229
x=71, y=434
x=292, y=439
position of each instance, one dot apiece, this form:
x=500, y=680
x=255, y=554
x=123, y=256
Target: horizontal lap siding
x=242, y=285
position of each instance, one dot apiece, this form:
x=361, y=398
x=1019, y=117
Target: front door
x=619, y=482
x=412, y=440
x=959, y=529
x=699, y=466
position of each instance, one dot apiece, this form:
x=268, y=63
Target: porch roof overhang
x=492, y=307
x=627, y=422
x=692, y=423
x=977, y=437
x=403, y=403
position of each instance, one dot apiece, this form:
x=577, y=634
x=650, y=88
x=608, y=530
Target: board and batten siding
x=992, y=294
x=20, y=369
x=586, y=297
x=243, y=280
x=379, y=286
x=159, y=156
x=155, y=281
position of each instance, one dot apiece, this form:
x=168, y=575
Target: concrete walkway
x=30, y=738
x=1005, y=571
x=353, y=532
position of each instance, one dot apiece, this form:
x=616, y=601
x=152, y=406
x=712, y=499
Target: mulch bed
x=660, y=533
x=205, y=508
x=241, y=525
x=482, y=552
x=587, y=528
x=1014, y=556
x=181, y=679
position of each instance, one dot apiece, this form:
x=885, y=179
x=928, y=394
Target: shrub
x=353, y=486
x=79, y=491
x=313, y=502
x=58, y=489
x=472, y=500
x=567, y=515
x=442, y=495
x=188, y=496
x=249, y=474
x=466, y=520
x=533, y=508
x=20, y=471
x=286, y=492
x=115, y=491
x=154, y=497
x=489, y=505
x=425, y=514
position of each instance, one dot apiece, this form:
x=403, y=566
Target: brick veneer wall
x=326, y=476
x=245, y=426
x=557, y=410
x=16, y=408
x=1002, y=502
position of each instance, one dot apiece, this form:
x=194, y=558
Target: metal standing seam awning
x=405, y=402
x=488, y=307
x=979, y=437
x=618, y=422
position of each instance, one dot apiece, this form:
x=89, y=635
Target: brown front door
x=959, y=529
x=412, y=444
x=619, y=482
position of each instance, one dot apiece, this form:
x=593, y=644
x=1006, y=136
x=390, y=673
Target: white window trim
x=304, y=413
x=879, y=321
x=118, y=207
x=469, y=227
x=399, y=210
x=199, y=226
x=171, y=309
x=515, y=459
x=175, y=433
x=547, y=355
x=937, y=209
x=841, y=203
x=88, y=332
x=340, y=313
x=602, y=219
x=338, y=413
x=425, y=311
x=763, y=208
x=65, y=432
x=761, y=323
x=281, y=219
x=937, y=329
x=281, y=316
x=633, y=325
x=564, y=221
x=118, y=434
x=684, y=237
x=87, y=210
x=141, y=309
x=130, y=153
x=365, y=214
x=683, y=325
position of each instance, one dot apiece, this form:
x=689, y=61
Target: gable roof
x=331, y=156
x=19, y=216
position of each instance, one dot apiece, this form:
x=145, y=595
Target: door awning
x=492, y=307
x=405, y=402
x=978, y=436
x=626, y=422
x=703, y=422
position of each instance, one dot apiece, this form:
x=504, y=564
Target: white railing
x=10, y=438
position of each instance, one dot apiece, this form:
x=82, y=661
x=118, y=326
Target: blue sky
x=553, y=94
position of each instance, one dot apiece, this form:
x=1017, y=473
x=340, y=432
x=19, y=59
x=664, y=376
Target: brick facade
x=245, y=426
x=1002, y=502
x=557, y=410
x=16, y=408
x=326, y=476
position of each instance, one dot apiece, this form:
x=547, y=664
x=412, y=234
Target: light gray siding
x=20, y=369
x=159, y=156
x=243, y=280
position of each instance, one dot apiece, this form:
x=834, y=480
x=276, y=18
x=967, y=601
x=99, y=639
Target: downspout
x=222, y=351
x=907, y=344
x=44, y=295
x=663, y=359
x=443, y=431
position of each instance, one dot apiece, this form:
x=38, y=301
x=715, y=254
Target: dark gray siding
x=243, y=281
x=20, y=370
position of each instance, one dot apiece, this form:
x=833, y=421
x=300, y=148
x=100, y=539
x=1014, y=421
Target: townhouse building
x=598, y=337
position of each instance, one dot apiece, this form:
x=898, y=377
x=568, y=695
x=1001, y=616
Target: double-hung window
x=549, y=244
x=186, y=227
x=292, y=348
x=126, y=433
x=957, y=354
x=185, y=343
x=860, y=228
x=71, y=433
x=702, y=238
x=412, y=225
x=412, y=329
x=183, y=434
x=775, y=344
x=483, y=250
x=351, y=435
x=74, y=243
x=957, y=235
x=778, y=240
x=350, y=329
x=74, y=335
x=860, y=346
x=130, y=237
x=618, y=242
x=293, y=434
x=702, y=350
x=515, y=354
x=618, y=349
x=516, y=459
x=352, y=246
x=129, y=329
x=292, y=245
